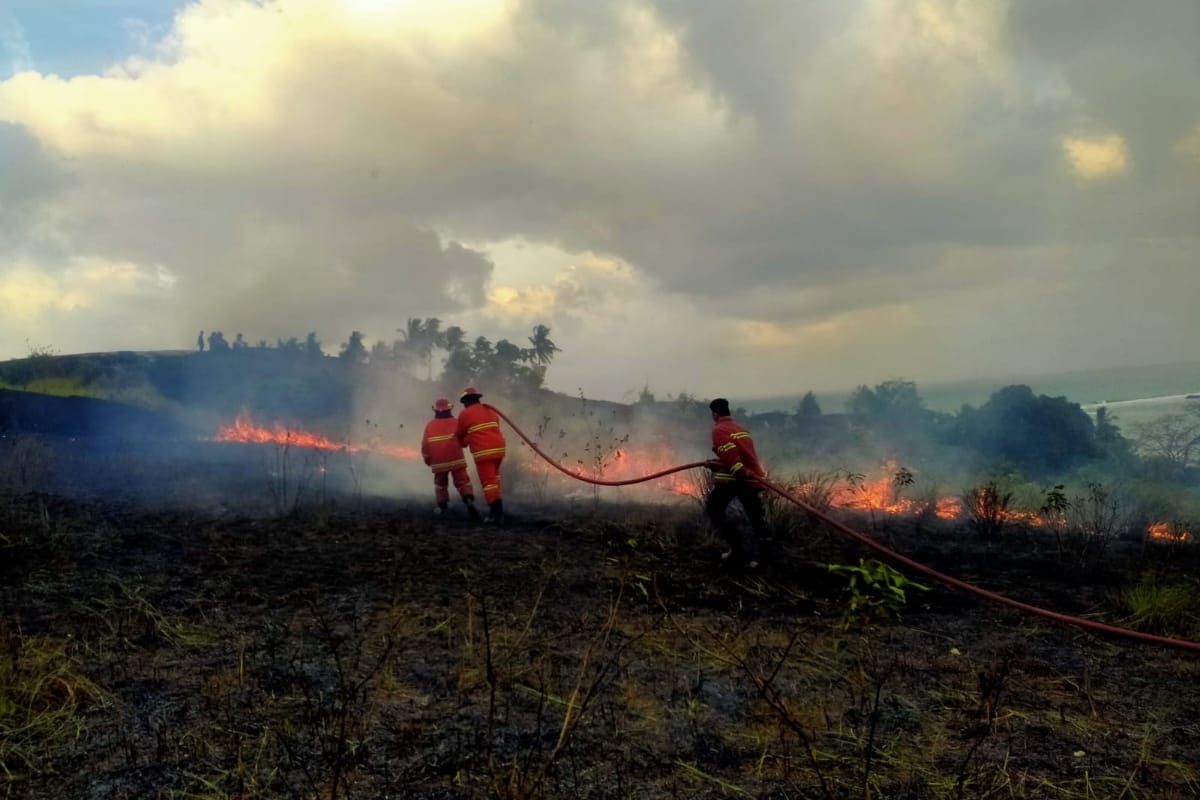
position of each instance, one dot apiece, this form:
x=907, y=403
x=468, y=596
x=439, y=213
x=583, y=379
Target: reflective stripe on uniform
x=726, y=447
x=739, y=435
x=445, y=438
x=448, y=465
x=493, y=451
x=722, y=476
x=736, y=467
x=482, y=426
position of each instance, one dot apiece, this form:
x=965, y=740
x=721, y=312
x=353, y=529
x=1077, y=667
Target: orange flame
x=630, y=464
x=881, y=495
x=244, y=429
x=877, y=494
x=1168, y=532
x=627, y=463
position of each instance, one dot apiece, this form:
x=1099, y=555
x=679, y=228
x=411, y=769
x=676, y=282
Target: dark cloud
x=29, y=176
x=784, y=163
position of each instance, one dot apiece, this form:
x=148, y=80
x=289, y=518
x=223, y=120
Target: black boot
x=441, y=509
x=472, y=511
x=496, y=512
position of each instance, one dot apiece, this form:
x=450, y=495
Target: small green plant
x=876, y=590
x=1053, y=512
x=1153, y=606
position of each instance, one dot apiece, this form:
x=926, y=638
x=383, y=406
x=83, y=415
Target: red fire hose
x=886, y=552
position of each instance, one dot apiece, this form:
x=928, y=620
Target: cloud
x=798, y=179
x=1096, y=157
x=1188, y=148
x=25, y=294
x=29, y=294
x=589, y=284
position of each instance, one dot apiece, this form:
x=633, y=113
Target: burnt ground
x=375, y=654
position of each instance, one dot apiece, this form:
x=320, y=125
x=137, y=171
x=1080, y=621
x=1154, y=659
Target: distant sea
x=1117, y=387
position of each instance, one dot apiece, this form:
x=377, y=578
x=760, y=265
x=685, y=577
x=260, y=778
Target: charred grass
x=150, y=654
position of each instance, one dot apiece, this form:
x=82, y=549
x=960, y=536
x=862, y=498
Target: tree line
x=500, y=362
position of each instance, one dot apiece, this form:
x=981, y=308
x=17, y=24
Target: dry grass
x=42, y=699
x=601, y=659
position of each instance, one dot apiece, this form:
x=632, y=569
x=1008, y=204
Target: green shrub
x=876, y=590
x=1163, y=608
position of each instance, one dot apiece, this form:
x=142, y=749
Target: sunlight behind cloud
x=25, y=294
x=1096, y=157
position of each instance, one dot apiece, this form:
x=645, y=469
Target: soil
x=376, y=653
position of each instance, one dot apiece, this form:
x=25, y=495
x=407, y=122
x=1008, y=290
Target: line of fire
x=880, y=492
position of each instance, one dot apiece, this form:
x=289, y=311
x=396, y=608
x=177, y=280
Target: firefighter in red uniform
x=443, y=454
x=735, y=471
x=479, y=429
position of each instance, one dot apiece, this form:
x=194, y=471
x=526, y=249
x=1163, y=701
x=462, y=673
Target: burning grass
x=888, y=492
x=1170, y=532
x=245, y=430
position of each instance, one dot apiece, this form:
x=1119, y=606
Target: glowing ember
x=244, y=429
x=948, y=508
x=1168, y=532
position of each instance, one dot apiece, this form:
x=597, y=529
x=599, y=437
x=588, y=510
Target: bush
x=1166, y=609
x=1095, y=518
x=787, y=520
x=987, y=509
x=1040, y=435
x=876, y=590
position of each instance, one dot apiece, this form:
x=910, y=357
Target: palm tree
x=453, y=338
x=411, y=332
x=412, y=339
x=432, y=337
x=454, y=342
x=312, y=345
x=421, y=337
x=543, y=347
x=354, y=351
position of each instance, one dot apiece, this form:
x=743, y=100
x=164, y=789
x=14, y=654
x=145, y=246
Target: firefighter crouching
x=735, y=471
x=443, y=454
x=479, y=430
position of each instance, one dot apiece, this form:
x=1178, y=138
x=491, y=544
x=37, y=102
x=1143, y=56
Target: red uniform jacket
x=440, y=447
x=735, y=450
x=479, y=429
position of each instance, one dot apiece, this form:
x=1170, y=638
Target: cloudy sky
x=725, y=198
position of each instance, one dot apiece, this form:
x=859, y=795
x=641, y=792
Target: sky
x=739, y=199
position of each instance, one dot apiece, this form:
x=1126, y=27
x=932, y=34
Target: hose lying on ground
x=885, y=551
